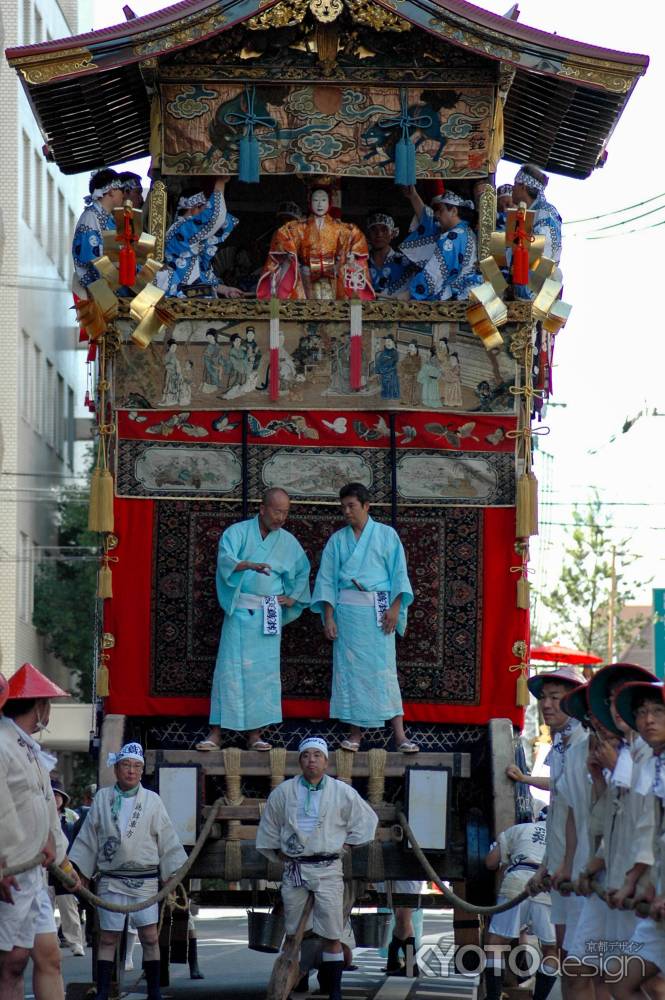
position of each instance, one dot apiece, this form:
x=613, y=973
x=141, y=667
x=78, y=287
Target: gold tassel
x=523, y=513
x=522, y=692
x=523, y=593
x=105, y=581
x=93, y=507
x=102, y=681
x=105, y=500
x=533, y=503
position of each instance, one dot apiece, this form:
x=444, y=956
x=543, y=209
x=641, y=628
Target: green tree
x=589, y=592
x=65, y=590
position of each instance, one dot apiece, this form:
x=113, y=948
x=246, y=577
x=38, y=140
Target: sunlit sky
x=610, y=359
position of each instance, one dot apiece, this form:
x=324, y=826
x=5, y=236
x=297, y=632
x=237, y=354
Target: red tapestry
x=129, y=617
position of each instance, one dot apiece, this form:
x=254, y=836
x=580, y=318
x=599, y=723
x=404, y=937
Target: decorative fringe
x=405, y=160
x=523, y=594
x=533, y=503
x=273, y=387
x=100, y=513
x=248, y=158
x=127, y=266
x=105, y=581
x=522, y=692
x=356, y=327
x=102, y=682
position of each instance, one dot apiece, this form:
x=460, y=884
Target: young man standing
x=362, y=592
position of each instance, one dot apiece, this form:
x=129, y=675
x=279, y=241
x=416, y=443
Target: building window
x=36, y=389
x=60, y=417
x=51, y=217
x=27, y=22
x=70, y=427
x=38, y=203
x=61, y=235
x=26, y=171
x=25, y=577
x=49, y=400
x=25, y=381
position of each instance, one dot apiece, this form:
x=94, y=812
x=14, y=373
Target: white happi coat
x=575, y=790
x=129, y=861
x=555, y=825
x=344, y=818
x=28, y=812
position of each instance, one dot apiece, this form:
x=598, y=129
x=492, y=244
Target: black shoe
x=193, y=959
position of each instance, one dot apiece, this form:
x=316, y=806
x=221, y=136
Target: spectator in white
x=549, y=689
x=129, y=840
x=307, y=823
x=519, y=851
x=29, y=825
x=70, y=921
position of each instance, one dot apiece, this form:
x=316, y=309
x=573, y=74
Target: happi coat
x=129, y=861
x=246, y=687
x=191, y=244
x=547, y=223
x=555, y=824
x=446, y=261
x=365, y=690
x=28, y=812
x=391, y=279
x=88, y=245
x=343, y=818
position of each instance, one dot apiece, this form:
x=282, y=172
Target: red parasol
x=555, y=653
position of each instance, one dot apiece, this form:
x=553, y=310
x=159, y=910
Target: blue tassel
x=405, y=161
x=248, y=159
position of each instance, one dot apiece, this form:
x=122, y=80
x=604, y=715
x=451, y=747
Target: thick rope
x=168, y=886
x=376, y=782
x=449, y=896
x=344, y=765
x=277, y=766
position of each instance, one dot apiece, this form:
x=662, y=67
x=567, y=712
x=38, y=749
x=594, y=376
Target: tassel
x=102, y=681
x=100, y=511
x=522, y=692
x=405, y=160
x=356, y=322
x=92, y=352
x=520, y=269
x=523, y=593
x=105, y=581
x=127, y=266
x=274, y=349
x=533, y=504
x=248, y=158
x=523, y=513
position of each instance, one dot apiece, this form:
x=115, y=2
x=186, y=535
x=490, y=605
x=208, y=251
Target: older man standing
x=362, y=591
x=262, y=585
x=29, y=825
x=129, y=839
x=307, y=822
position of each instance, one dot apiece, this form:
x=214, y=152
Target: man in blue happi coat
x=529, y=187
x=262, y=585
x=201, y=226
x=106, y=193
x=362, y=592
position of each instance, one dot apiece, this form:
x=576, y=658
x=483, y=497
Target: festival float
x=202, y=402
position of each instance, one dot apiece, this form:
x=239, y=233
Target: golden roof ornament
x=326, y=11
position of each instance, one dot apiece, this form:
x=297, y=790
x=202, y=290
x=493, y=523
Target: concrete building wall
x=42, y=380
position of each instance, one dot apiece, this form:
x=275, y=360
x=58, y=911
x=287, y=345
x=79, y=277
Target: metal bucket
x=371, y=929
x=265, y=931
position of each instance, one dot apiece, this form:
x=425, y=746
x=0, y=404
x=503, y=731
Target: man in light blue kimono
x=388, y=268
x=262, y=585
x=201, y=227
x=362, y=592
x=106, y=193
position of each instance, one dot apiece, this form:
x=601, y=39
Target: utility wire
x=615, y=211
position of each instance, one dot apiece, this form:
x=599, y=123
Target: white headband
x=528, y=181
x=380, y=219
x=195, y=199
x=314, y=743
x=503, y=190
x=97, y=193
x=450, y=198
x=130, y=751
